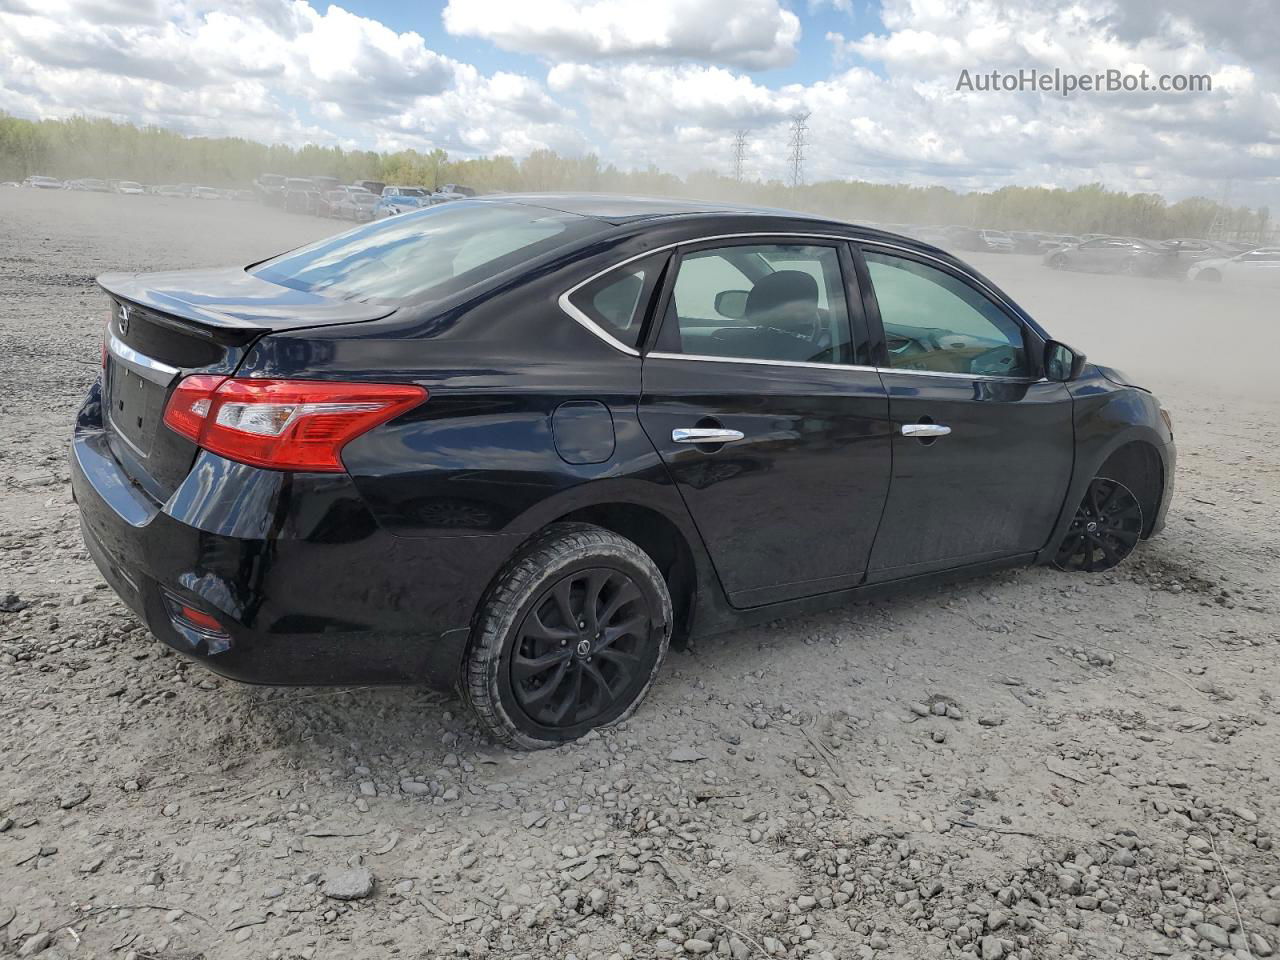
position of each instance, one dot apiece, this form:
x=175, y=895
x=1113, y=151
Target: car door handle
x=705, y=435
x=924, y=430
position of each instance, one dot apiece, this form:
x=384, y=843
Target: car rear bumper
x=306, y=585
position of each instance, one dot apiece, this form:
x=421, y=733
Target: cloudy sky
x=669, y=81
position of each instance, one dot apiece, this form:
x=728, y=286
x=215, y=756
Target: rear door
x=983, y=447
x=773, y=426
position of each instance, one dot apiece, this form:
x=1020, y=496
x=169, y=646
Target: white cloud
x=670, y=81
x=276, y=70
x=755, y=34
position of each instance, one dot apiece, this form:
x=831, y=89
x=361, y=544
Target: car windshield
x=410, y=192
x=438, y=250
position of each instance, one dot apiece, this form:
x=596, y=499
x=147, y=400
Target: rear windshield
x=435, y=251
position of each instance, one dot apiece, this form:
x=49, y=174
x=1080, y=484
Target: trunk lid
x=234, y=299
x=165, y=326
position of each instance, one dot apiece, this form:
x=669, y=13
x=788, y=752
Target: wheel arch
x=664, y=542
x=1136, y=444
x=1138, y=465
x=652, y=516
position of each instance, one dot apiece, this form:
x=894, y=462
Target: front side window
x=936, y=322
x=779, y=302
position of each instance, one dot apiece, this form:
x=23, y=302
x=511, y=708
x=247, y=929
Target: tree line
x=84, y=147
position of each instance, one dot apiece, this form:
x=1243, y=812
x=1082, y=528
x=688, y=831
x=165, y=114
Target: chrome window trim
x=140, y=363
x=590, y=324
x=581, y=318
x=655, y=355
x=594, y=327
x=960, y=376
x=768, y=363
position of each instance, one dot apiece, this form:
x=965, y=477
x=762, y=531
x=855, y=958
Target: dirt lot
x=1030, y=765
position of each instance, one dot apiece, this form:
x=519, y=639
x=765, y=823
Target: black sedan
x=518, y=445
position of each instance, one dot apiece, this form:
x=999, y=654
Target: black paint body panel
x=791, y=510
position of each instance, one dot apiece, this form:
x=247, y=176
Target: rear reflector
x=283, y=424
x=198, y=618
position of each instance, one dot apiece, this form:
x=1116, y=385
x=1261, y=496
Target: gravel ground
x=1033, y=764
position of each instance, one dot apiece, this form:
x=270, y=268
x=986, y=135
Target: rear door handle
x=705, y=435
x=924, y=430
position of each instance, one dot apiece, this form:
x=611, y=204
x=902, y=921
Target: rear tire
x=570, y=637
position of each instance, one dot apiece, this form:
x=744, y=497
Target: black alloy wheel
x=1105, y=529
x=1058, y=261
x=580, y=648
x=570, y=637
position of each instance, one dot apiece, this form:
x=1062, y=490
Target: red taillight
x=283, y=424
x=189, y=405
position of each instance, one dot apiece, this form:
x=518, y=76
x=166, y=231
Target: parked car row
x=1179, y=258
x=328, y=197
x=134, y=188
x=322, y=196
x=954, y=237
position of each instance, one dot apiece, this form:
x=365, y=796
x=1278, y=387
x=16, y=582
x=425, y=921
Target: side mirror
x=1061, y=362
x=731, y=304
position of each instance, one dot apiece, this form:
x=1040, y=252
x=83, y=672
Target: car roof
x=627, y=213
x=619, y=210
x=630, y=212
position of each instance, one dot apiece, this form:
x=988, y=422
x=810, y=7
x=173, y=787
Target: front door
x=777, y=442
x=983, y=448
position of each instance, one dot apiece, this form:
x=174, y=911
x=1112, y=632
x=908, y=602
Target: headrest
x=786, y=299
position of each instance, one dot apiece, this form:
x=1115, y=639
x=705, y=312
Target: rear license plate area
x=135, y=406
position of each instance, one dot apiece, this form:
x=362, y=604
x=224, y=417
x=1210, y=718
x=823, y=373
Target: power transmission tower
x=739, y=153
x=799, y=135
x=1218, y=229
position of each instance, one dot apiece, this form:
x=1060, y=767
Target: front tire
x=1106, y=528
x=569, y=638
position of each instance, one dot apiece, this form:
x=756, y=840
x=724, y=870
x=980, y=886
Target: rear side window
x=768, y=302
x=617, y=301
x=434, y=252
